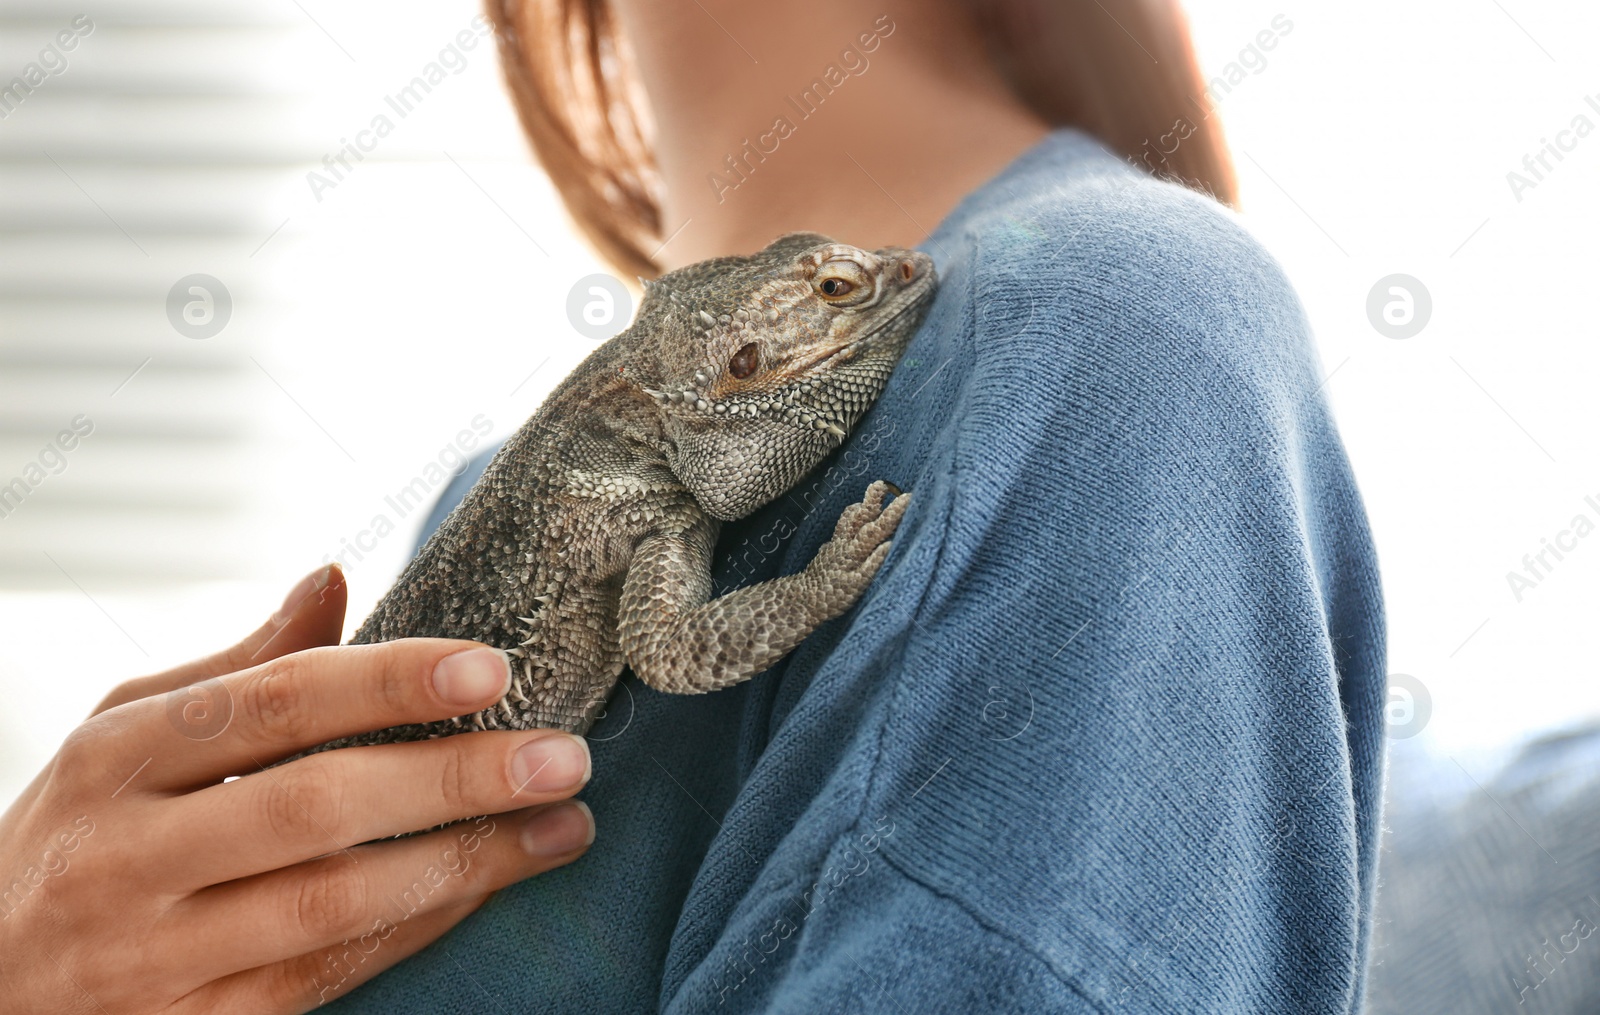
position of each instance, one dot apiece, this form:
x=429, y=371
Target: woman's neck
x=772, y=118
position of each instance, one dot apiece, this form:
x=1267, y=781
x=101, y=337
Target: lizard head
x=760, y=365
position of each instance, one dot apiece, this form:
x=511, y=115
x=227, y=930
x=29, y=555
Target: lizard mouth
x=824, y=415
x=915, y=301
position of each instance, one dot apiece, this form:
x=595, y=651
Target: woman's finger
x=309, y=981
x=249, y=720
x=336, y=799
x=312, y=615
x=283, y=913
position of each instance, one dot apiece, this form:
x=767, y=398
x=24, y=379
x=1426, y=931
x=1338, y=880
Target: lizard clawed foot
x=861, y=540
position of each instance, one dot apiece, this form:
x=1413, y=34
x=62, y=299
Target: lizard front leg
x=679, y=640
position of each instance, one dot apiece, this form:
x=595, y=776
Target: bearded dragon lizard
x=586, y=545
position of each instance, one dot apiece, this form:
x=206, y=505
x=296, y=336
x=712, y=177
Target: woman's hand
x=133, y=879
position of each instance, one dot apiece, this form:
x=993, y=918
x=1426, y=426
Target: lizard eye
x=843, y=283
x=744, y=362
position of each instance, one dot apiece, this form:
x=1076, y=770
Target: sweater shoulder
x=1094, y=280
x=1118, y=250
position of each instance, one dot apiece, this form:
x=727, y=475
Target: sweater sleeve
x=893, y=944
x=1132, y=646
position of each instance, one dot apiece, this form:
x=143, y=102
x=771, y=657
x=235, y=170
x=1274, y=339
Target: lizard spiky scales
x=586, y=545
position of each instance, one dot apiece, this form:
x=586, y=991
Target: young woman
x=1104, y=735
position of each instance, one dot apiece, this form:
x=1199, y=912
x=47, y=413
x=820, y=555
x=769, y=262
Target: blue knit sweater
x=1104, y=735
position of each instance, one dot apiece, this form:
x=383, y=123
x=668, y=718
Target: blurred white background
x=428, y=287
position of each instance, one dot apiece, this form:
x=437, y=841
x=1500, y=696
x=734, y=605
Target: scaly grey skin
x=586, y=545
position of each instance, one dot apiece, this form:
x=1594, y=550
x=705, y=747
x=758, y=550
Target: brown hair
x=1122, y=70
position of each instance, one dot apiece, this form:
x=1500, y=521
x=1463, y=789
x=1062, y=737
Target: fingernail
x=559, y=830
x=478, y=675
x=310, y=585
x=550, y=764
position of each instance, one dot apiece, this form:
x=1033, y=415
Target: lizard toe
x=883, y=526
